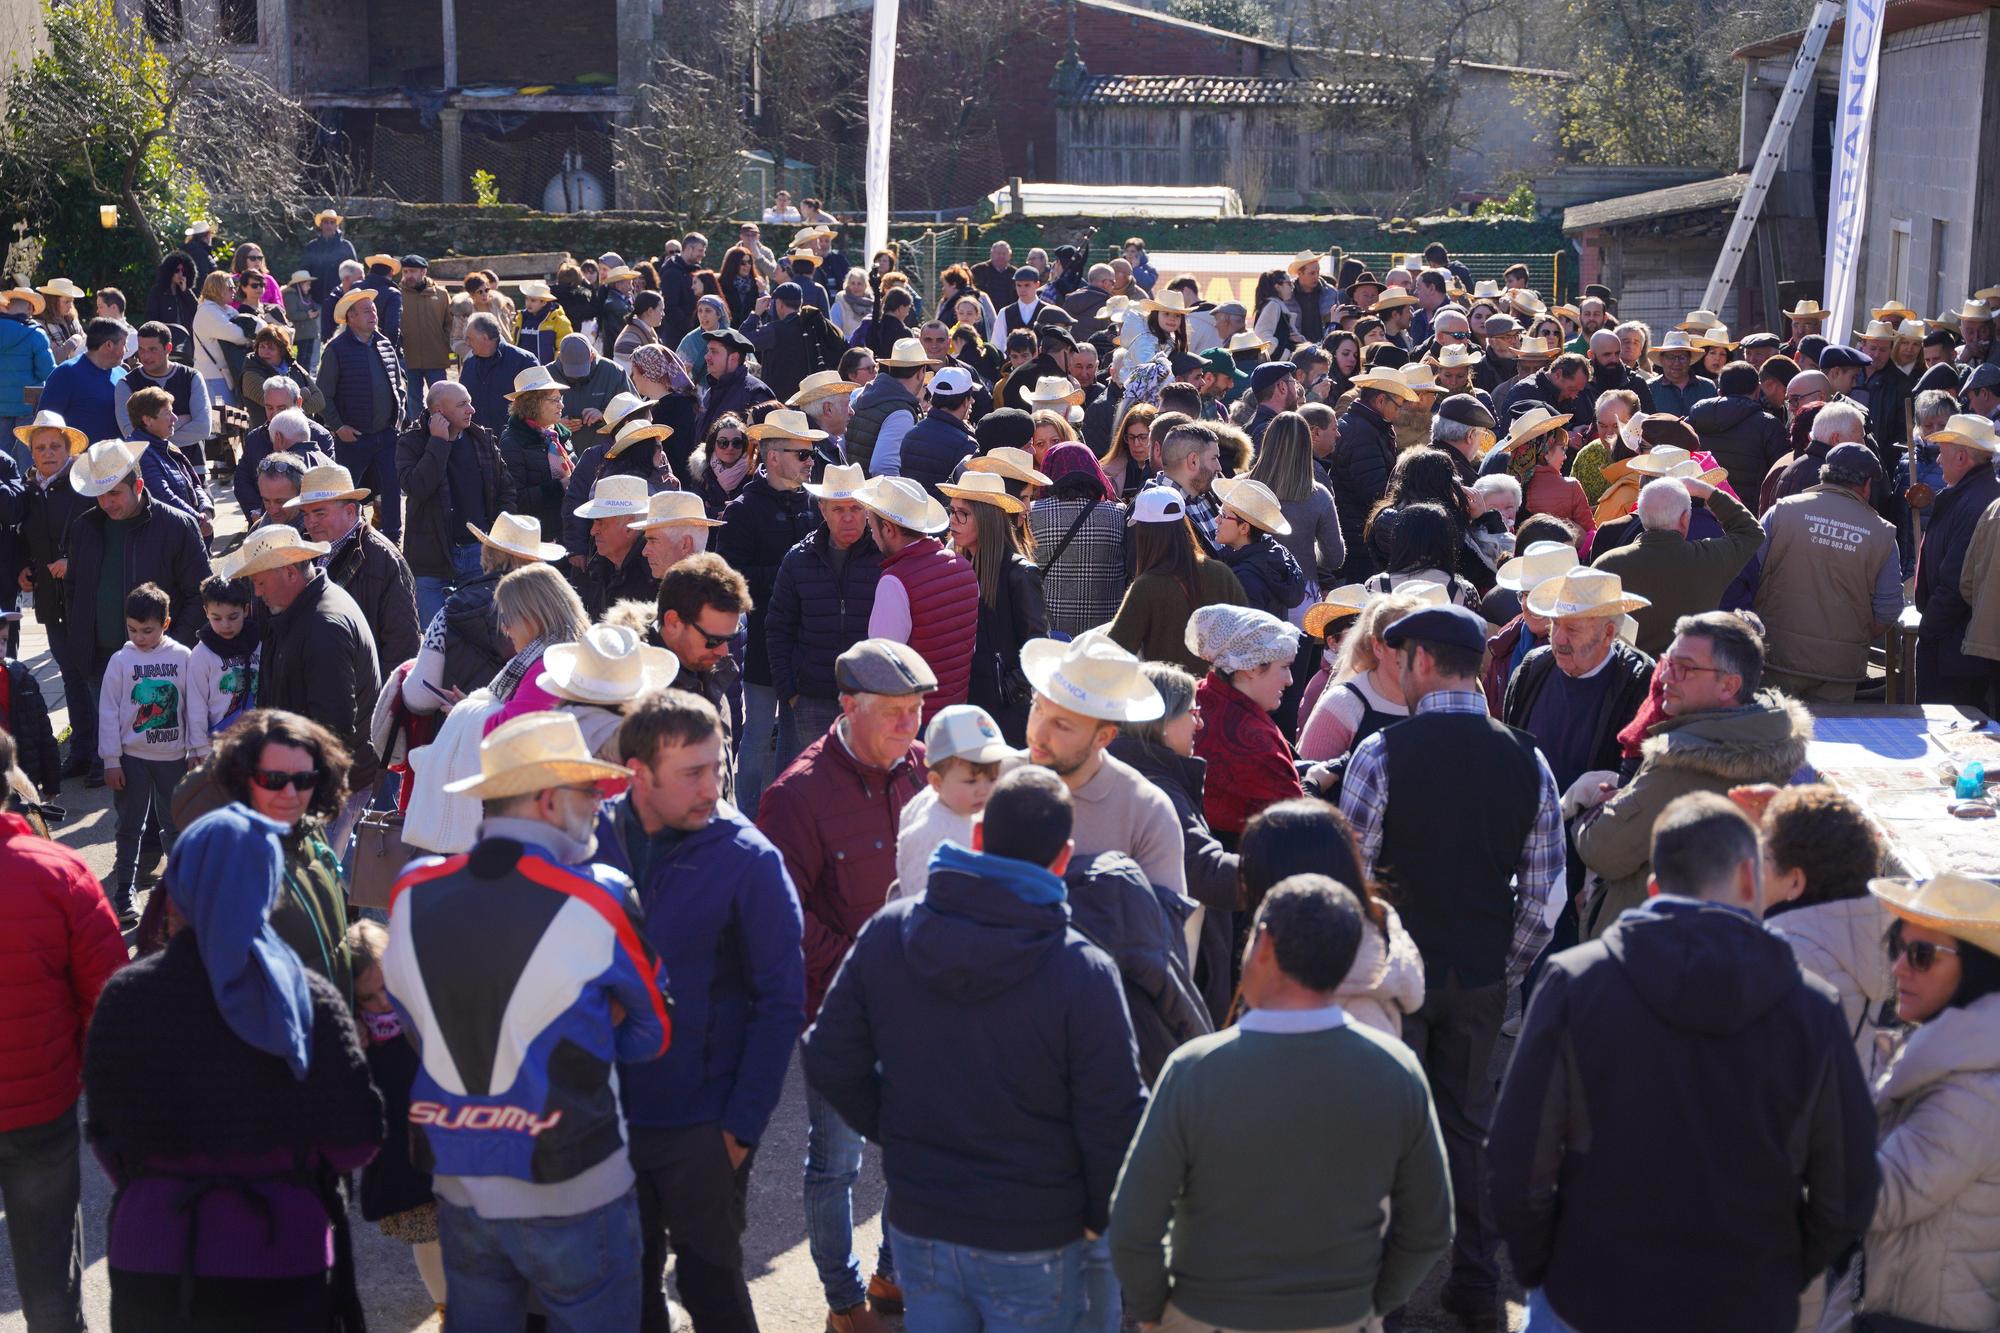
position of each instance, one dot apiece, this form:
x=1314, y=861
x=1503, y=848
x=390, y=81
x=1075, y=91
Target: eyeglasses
x=962, y=513
x=729, y=442
x=1920, y=954
x=277, y=779
x=1680, y=666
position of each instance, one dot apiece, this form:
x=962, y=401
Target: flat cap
x=1452, y=626
x=1268, y=374
x=1837, y=357
x=1985, y=375
x=415, y=261
x=1466, y=410
x=882, y=666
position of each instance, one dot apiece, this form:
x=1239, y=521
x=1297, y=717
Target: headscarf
x=1144, y=382
x=227, y=871
x=720, y=306
x=1240, y=638
x=1070, y=459
x=1522, y=462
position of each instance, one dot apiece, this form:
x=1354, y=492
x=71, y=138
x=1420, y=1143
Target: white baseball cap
x=951, y=381
x=1158, y=504
x=968, y=732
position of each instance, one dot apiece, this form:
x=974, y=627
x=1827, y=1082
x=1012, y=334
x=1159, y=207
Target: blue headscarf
x=227, y=871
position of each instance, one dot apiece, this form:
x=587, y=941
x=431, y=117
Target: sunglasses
x=277, y=779
x=717, y=640
x=729, y=442
x=790, y=453
x=1920, y=954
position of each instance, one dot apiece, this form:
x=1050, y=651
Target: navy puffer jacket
x=818, y=613
x=759, y=527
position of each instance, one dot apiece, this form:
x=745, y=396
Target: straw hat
x=1054, y=391
x=326, y=215
x=62, y=287
x=1486, y=289
x=270, y=548
x=1676, y=340
x=1670, y=460
x=536, y=290
x=1114, y=308
x=1527, y=304
x=1877, y=328
x=1910, y=330
x=1092, y=676
x=1716, y=335
x=1420, y=378
x=1456, y=357
x=983, y=488
x=1393, y=299
x=804, y=257
x=1536, y=421
x=1962, y=907
x=1166, y=303
x=1387, y=381
x=666, y=508
x=617, y=496
x=299, y=275
x=1971, y=430
x=842, y=481
x=906, y=353
x=103, y=465
x=531, y=754
x=349, y=301
x=903, y=502
x=1699, y=321
x=1246, y=340
x=1303, y=258
x=1254, y=503
x=808, y=234
x=519, y=536
x=328, y=482
x=608, y=665
x=28, y=294
x=632, y=432
x=199, y=227
x=1532, y=348
x=1538, y=564
x=1583, y=593
x=1348, y=600
x=623, y=273
x=1987, y=294
x=385, y=261
x=1007, y=461
x=1570, y=312
x=820, y=384
x=46, y=420
x=623, y=405
x=1970, y=310
x=1895, y=313
x=533, y=380
x=1807, y=312
x=785, y=424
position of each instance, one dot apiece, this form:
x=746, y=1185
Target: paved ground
x=783, y=1283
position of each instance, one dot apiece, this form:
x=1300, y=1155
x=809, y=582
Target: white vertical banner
x=881, y=116
x=1847, y=196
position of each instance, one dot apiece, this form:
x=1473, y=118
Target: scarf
x=519, y=665
x=731, y=477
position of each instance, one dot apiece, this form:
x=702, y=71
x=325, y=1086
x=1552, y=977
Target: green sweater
x=1269, y=1155
x=1151, y=623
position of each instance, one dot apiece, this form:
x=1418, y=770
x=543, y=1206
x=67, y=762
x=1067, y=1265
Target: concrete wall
x=1502, y=137
x=20, y=36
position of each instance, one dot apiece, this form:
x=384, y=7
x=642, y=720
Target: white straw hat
x=842, y=481
x=983, y=488
x=906, y=353
x=534, y=753
x=531, y=380
x=1966, y=428
x=633, y=431
x=269, y=548
x=330, y=481
x=1007, y=461
x=1583, y=592
x=820, y=384
x=619, y=495
x=517, y=536
x=1092, y=676
x=103, y=465
x=785, y=424
x=608, y=665
x=903, y=502
x=1254, y=502
x=666, y=508
x=1538, y=564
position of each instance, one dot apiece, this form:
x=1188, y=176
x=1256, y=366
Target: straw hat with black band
x=1583, y=594
x=1010, y=463
x=351, y=299
x=664, y=509
x=1385, y=381
x=785, y=424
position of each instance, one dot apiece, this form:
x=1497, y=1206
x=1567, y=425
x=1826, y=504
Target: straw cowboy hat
x=632, y=432
x=384, y=261
x=326, y=215
x=1343, y=603
x=1910, y=330
x=1305, y=257
x=1486, y=289
x=299, y=275
x=328, y=482
x=1246, y=340
x=1528, y=305
x=1877, y=328
x=666, y=508
x=46, y=420
x=1699, y=321
x=349, y=301
x=1716, y=335
x=618, y=496
x=536, y=290
x=1456, y=358
x=1385, y=381
x=1254, y=503
x=28, y=294
x=1166, y=303
x=199, y=227
x=534, y=753
x=1420, y=378
x=785, y=424
x=533, y=380
x=1569, y=312
x=1536, y=421
x=623, y=405
x=1538, y=564
x=1114, y=308
x=271, y=548
x=1962, y=907
x=1093, y=676
x=1895, y=313
x=808, y=234
x=903, y=502
x=906, y=353
x=1007, y=461
x=1670, y=460
x=608, y=665
x=1964, y=428
x=841, y=481
x=518, y=536
x=1676, y=341
x=804, y=257
x=623, y=273
x=1054, y=391
x=1394, y=299
x=1583, y=593
x=1987, y=294
x=62, y=287
x=1970, y=310
x=1807, y=312
x=1531, y=348
x=820, y=384
x=983, y=488
x=103, y=465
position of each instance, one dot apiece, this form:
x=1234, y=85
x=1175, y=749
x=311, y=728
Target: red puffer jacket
x=835, y=820
x=59, y=942
x=1249, y=759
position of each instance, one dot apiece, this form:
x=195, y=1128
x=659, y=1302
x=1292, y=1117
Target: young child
x=142, y=734
x=222, y=674
x=966, y=756
x=395, y=1193
x=1244, y=540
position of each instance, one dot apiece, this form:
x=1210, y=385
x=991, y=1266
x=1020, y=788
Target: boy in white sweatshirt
x=966, y=755
x=222, y=675
x=142, y=734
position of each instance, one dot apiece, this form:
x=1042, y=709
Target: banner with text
x=1847, y=196
x=881, y=116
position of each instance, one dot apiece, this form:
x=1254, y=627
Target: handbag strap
x=1070, y=536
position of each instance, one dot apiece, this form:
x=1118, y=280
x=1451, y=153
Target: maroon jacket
x=59, y=943
x=944, y=617
x=835, y=820
x=1249, y=759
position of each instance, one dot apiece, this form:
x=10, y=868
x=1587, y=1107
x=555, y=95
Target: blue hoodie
x=25, y=360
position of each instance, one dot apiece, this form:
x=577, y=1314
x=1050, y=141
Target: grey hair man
x=1676, y=573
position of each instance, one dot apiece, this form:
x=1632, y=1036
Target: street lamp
x=107, y=216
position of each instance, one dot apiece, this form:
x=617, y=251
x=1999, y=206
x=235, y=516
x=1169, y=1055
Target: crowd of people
x=1012, y=699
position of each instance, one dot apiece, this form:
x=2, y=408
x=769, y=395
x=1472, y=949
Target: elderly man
x=361, y=375
x=819, y=608
x=457, y=481
x=361, y=561
x=84, y=389
x=488, y=373
x=565, y=981
x=1464, y=429
x=1945, y=672
x=1086, y=304
x=346, y=279
x=1831, y=581
x=828, y=402
x=1719, y=730
x=834, y=813
x=300, y=435
x=616, y=569
x=156, y=369
x=674, y=527
x=1676, y=576
x=1826, y=427
x=614, y=306
x=1479, y=905
x=994, y=275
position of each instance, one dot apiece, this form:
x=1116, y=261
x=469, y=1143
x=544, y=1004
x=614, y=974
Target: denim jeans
x=958, y=1289
x=149, y=789
x=371, y=460
x=800, y=723
x=754, y=769
x=433, y=591
x=1542, y=1317
x=583, y=1270
x=833, y=1164
x=40, y=1187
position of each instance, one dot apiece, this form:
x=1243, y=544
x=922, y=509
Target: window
x=163, y=20
x=237, y=21
x=1899, y=258
x=1941, y=298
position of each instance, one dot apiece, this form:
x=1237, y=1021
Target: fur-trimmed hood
x=1761, y=741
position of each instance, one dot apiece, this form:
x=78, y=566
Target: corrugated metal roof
x=1694, y=197
x=1220, y=90
x=1897, y=16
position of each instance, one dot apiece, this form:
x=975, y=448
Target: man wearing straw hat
x=453, y=475
x=1678, y=576
x=828, y=400
x=516, y=1098
x=724, y=918
x=927, y=596
x=326, y=252
x=361, y=376
x=616, y=570
x=360, y=560
x=1363, y=455
x=674, y=528
x=1945, y=672
x=25, y=355
x=820, y=604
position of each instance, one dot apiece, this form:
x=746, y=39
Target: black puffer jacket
x=35, y=747
x=1364, y=451
x=1114, y=906
x=817, y=613
x=1745, y=439
x=370, y=568
x=421, y=459
x=474, y=647
x=997, y=684
x=320, y=662
x=758, y=527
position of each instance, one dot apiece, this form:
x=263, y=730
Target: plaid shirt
x=1202, y=510
x=1539, y=887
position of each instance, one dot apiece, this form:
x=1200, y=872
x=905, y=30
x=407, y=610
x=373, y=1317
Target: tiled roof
x=1220, y=90
x=1724, y=192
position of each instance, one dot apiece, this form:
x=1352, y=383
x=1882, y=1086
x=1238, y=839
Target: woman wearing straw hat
x=1364, y=691
x=463, y=644
x=535, y=446
x=1166, y=327
x=1533, y=454
x=1247, y=527
x=984, y=529
x=1931, y=1258
x=1171, y=580
x=58, y=318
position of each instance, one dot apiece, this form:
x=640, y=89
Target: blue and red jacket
x=505, y=964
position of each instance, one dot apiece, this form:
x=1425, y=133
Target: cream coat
x=1842, y=942
x=1385, y=983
